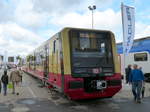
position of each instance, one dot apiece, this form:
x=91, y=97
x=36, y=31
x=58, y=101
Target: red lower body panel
x=81, y=94
x=36, y=73
x=78, y=93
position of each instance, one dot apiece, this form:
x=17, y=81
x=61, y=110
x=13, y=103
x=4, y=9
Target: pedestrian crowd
x=135, y=77
x=12, y=81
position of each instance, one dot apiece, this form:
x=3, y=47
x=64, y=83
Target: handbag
x=10, y=86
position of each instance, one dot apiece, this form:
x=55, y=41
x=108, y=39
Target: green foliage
x=31, y=58
x=18, y=57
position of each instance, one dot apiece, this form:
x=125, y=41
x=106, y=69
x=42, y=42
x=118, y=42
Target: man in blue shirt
x=136, y=78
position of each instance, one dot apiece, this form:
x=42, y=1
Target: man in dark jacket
x=128, y=70
x=136, y=78
x=4, y=80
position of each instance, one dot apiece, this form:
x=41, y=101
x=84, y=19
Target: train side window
x=140, y=57
x=54, y=46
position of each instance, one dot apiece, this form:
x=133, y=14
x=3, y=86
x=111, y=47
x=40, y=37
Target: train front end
x=91, y=68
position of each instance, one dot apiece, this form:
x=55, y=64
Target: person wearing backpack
x=4, y=80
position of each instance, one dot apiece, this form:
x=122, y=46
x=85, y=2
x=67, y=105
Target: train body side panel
x=115, y=55
x=66, y=52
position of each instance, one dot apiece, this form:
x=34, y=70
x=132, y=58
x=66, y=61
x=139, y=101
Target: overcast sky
x=25, y=24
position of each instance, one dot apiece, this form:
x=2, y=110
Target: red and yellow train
x=81, y=63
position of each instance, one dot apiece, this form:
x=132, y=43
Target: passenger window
x=54, y=46
x=140, y=57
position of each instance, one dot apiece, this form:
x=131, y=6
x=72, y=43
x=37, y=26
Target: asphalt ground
x=35, y=98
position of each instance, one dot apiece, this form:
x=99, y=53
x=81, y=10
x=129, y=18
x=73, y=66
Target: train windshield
x=90, y=50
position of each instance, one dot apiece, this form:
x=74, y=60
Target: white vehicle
x=139, y=54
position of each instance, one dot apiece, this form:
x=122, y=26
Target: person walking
x=15, y=77
x=136, y=78
x=143, y=89
x=143, y=85
x=21, y=74
x=128, y=71
x=4, y=80
x=0, y=86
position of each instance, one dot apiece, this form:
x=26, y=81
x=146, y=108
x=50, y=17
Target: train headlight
x=97, y=70
x=108, y=74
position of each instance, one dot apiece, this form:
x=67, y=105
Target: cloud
x=48, y=33
x=23, y=23
x=64, y=6
x=108, y=19
x=26, y=16
x=142, y=30
x=34, y=14
x=102, y=19
x=57, y=6
x=5, y=11
x=17, y=40
x=71, y=19
x=22, y=13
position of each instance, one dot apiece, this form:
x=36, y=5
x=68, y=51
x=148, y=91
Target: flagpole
x=128, y=24
x=123, y=43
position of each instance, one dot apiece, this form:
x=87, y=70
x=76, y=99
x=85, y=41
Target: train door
x=55, y=56
x=56, y=63
x=119, y=60
x=46, y=61
x=61, y=64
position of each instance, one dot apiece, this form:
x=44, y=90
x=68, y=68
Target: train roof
x=65, y=28
x=85, y=29
x=139, y=45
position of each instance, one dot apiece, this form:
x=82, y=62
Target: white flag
x=128, y=22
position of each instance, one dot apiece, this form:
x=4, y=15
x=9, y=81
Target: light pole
x=92, y=8
x=5, y=60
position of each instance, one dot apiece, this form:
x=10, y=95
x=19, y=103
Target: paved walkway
x=30, y=88
x=33, y=98
x=126, y=91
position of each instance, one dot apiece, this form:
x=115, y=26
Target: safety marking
x=34, y=96
x=20, y=109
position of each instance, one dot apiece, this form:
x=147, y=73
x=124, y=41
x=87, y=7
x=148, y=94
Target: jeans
x=136, y=89
x=5, y=89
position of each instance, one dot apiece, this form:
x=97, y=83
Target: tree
x=19, y=59
x=29, y=58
